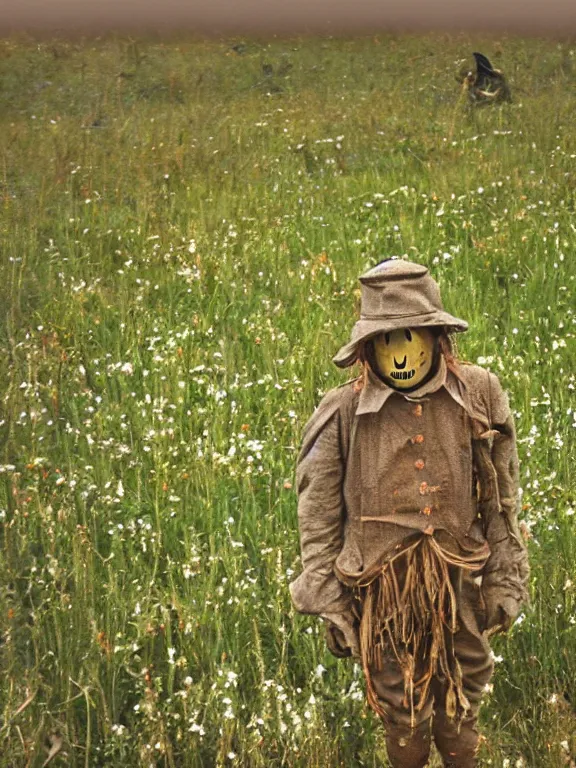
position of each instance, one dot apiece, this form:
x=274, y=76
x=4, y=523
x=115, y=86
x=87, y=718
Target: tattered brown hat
x=396, y=294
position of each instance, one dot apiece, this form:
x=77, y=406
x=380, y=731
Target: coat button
x=419, y=464
x=418, y=439
x=429, y=530
x=427, y=510
x=423, y=488
x=418, y=410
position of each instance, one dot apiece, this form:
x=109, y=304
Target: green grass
x=181, y=236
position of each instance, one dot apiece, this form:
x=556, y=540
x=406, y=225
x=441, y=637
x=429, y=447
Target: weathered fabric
x=396, y=294
x=409, y=747
x=409, y=605
x=409, y=733
x=378, y=468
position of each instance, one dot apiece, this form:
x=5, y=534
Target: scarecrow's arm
x=505, y=578
x=321, y=516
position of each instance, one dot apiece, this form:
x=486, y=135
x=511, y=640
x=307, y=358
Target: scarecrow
x=407, y=485
x=486, y=85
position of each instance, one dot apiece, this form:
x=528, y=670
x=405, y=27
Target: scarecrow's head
x=406, y=356
x=399, y=299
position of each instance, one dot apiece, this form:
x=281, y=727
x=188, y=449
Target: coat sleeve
x=321, y=516
x=505, y=577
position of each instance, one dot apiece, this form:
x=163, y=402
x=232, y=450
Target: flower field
x=182, y=225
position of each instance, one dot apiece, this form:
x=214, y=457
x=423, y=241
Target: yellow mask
x=405, y=356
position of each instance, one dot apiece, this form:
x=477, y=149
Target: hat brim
x=365, y=329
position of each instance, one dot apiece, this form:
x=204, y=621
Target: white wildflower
x=320, y=670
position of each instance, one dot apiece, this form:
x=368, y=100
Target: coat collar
x=376, y=392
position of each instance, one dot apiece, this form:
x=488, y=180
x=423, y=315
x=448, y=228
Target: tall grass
x=182, y=227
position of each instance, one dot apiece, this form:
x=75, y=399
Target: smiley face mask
x=405, y=357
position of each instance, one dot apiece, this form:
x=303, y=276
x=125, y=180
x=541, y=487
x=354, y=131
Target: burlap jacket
x=376, y=466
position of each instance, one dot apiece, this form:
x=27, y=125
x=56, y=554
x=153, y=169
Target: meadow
x=182, y=225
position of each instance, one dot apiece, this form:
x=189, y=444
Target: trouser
x=410, y=747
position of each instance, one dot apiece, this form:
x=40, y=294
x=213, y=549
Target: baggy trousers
x=410, y=748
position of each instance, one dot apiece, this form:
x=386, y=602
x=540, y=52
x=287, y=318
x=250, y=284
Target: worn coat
x=378, y=466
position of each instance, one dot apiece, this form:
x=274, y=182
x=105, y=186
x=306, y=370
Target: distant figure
x=487, y=85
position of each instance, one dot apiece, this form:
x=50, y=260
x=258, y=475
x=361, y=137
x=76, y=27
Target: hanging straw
x=412, y=611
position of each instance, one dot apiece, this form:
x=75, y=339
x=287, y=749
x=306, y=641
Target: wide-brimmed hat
x=396, y=294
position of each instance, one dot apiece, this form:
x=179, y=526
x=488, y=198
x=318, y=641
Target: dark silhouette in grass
x=486, y=85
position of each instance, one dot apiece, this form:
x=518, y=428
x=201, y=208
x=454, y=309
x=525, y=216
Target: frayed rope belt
x=412, y=610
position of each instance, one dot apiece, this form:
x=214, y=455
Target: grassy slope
x=181, y=234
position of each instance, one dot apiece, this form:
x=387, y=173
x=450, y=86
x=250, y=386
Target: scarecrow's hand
x=341, y=635
x=500, y=612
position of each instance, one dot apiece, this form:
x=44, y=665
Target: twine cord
x=412, y=611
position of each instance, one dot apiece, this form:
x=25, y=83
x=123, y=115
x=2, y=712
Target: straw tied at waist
x=406, y=604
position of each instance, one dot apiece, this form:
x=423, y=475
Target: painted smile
x=402, y=375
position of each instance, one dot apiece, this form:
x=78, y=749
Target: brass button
x=418, y=439
x=423, y=488
x=418, y=410
x=427, y=510
x=419, y=464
